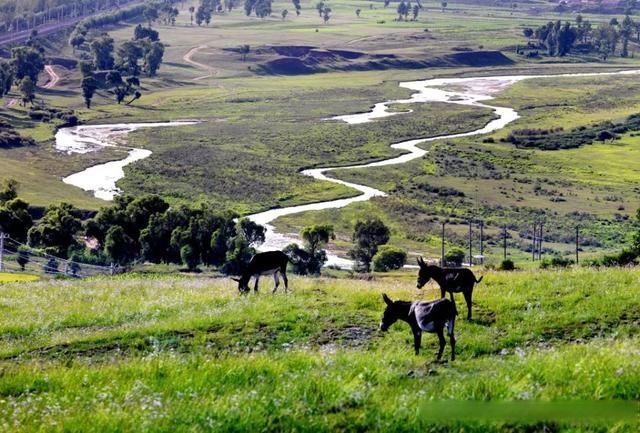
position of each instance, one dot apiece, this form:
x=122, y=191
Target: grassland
x=186, y=354
x=12, y=278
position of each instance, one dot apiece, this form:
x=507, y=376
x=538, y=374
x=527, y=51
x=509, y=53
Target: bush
x=623, y=258
x=561, y=262
x=454, y=257
x=507, y=265
x=302, y=261
x=389, y=258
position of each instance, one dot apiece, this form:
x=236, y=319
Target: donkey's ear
x=237, y=280
x=421, y=261
x=387, y=300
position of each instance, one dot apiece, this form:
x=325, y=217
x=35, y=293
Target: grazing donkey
x=454, y=280
x=267, y=263
x=423, y=316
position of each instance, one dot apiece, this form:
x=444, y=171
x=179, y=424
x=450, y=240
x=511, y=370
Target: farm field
x=188, y=354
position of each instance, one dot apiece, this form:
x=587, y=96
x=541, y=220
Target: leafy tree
x=15, y=219
x=320, y=8
x=27, y=90
x=189, y=257
x=23, y=257
x=316, y=236
x=297, y=6
x=284, y=14
x=389, y=258
x=129, y=55
x=244, y=50
x=7, y=77
x=145, y=33
x=27, y=62
x=252, y=232
x=310, y=259
x=192, y=9
x=358, y=12
x=8, y=190
x=102, y=49
x=444, y=5
x=368, y=236
x=416, y=12
x=57, y=229
x=326, y=14
x=527, y=32
x=119, y=246
x=154, y=52
x=150, y=13
x=89, y=86
x=454, y=257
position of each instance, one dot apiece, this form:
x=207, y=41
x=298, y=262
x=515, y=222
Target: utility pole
x=540, y=242
x=533, y=241
x=442, y=249
x=470, y=244
x=577, y=243
x=2, y=236
x=504, y=241
x=481, y=242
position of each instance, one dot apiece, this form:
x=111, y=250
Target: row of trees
x=559, y=39
x=18, y=15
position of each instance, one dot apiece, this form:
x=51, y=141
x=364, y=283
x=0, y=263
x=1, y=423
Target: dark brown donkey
x=423, y=316
x=452, y=280
x=267, y=263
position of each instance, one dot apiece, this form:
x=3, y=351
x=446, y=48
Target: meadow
x=165, y=353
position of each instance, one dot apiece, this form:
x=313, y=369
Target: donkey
x=454, y=280
x=267, y=263
x=423, y=316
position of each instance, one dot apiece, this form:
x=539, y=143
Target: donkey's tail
x=479, y=279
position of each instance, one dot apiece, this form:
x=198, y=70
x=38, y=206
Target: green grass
x=189, y=354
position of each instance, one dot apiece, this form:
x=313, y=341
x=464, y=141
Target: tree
x=7, y=77
x=153, y=55
x=454, y=257
x=23, y=257
x=297, y=5
x=444, y=5
x=102, y=49
x=527, y=32
x=8, y=190
x=129, y=55
x=284, y=14
x=368, y=236
x=27, y=62
x=326, y=14
x=192, y=9
x=57, y=229
x=140, y=33
x=244, y=50
x=150, y=13
x=119, y=246
x=320, y=8
x=52, y=266
x=416, y=12
x=358, y=13
x=27, y=90
x=389, y=258
x=252, y=232
x=15, y=219
x=316, y=236
x=189, y=257
x=89, y=86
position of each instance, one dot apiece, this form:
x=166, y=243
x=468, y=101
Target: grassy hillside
x=187, y=354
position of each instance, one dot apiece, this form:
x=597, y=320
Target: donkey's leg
x=443, y=293
x=417, y=340
x=442, y=342
x=255, y=286
x=276, y=279
x=283, y=271
x=452, y=337
x=467, y=298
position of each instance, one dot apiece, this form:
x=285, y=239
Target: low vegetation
x=184, y=354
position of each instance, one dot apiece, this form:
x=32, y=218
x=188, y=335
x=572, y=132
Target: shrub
x=454, y=257
x=507, y=265
x=389, y=258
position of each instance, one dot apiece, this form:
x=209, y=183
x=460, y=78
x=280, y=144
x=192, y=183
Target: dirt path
x=188, y=58
x=53, y=77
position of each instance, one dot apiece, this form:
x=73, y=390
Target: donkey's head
x=243, y=284
x=391, y=314
x=425, y=274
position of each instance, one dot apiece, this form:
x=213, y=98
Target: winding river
x=474, y=91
